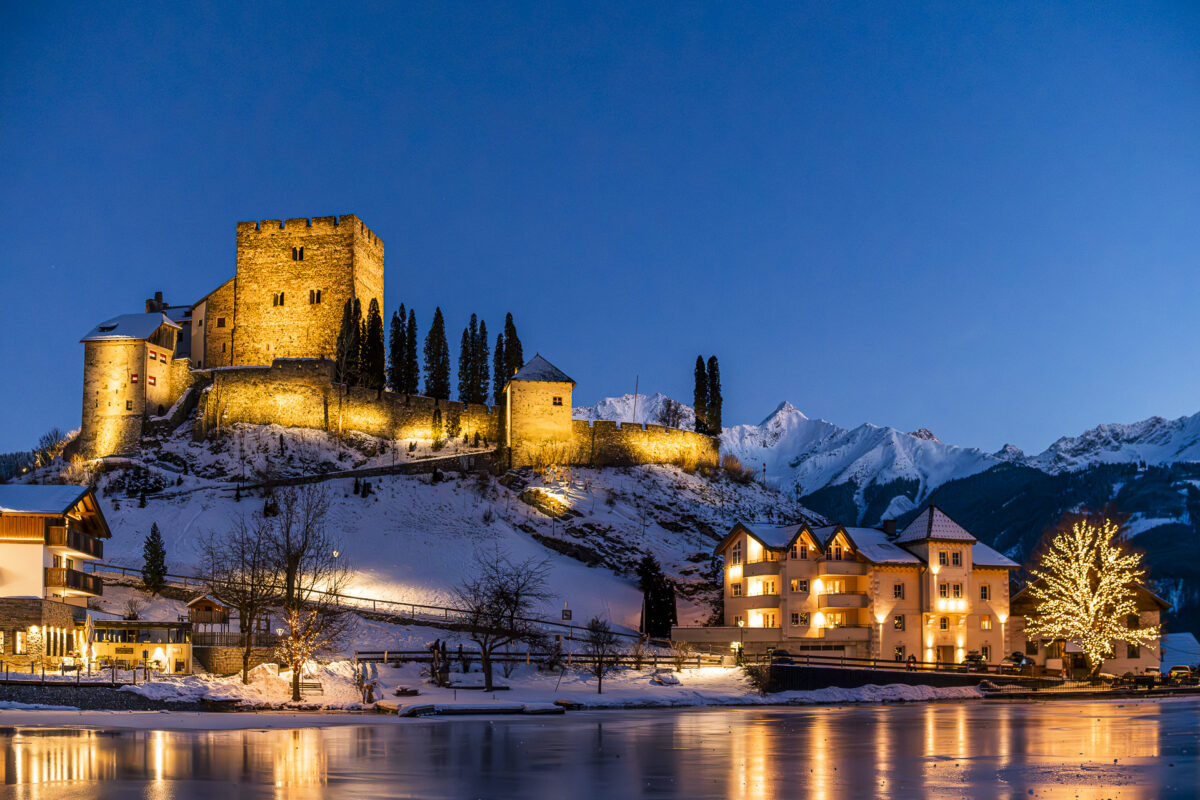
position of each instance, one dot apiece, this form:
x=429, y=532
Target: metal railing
x=226, y=639
x=59, y=536
x=652, y=659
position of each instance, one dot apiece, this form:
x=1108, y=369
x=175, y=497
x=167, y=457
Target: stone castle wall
x=218, y=320
x=113, y=405
x=300, y=394
x=614, y=444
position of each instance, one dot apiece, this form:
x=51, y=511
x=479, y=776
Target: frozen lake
x=973, y=749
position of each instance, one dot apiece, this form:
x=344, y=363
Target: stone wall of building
x=228, y=660
x=299, y=393
x=604, y=443
x=20, y=613
x=293, y=278
x=216, y=315
x=113, y=404
x=538, y=420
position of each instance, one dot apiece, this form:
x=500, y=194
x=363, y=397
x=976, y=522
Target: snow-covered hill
x=413, y=538
x=646, y=409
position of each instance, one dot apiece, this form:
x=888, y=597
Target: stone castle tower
x=285, y=301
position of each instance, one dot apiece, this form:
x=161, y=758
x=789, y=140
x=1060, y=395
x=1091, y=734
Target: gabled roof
x=539, y=369
x=933, y=523
x=773, y=537
x=27, y=498
x=874, y=545
x=134, y=327
x=209, y=598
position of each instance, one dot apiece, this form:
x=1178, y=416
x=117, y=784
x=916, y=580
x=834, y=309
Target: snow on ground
x=528, y=685
x=412, y=540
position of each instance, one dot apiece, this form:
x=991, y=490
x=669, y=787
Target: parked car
x=1015, y=662
x=1179, y=675
x=973, y=662
x=781, y=657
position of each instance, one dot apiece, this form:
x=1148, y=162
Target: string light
x=1085, y=591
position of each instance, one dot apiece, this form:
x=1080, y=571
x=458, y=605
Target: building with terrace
x=46, y=534
x=931, y=593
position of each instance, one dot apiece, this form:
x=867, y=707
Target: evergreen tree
x=713, y=417
x=514, y=359
x=154, y=562
x=395, y=377
x=412, y=373
x=499, y=379
x=346, y=344
x=437, y=359
x=700, y=395
x=658, y=598
x=374, y=362
x=466, y=367
x=481, y=364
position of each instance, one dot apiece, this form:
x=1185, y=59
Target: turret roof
x=932, y=523
x=129, y=326
x=539, y=369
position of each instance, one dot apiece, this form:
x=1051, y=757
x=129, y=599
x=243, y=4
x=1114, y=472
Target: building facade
x=46, y=534
x=933, y=593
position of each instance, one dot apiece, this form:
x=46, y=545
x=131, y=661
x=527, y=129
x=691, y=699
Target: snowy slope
x=413, y=540
x=1153, y=441
x=647, y=408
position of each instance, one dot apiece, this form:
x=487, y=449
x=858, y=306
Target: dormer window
x=108, y=328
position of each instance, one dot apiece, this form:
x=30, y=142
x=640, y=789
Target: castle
x=258, y=349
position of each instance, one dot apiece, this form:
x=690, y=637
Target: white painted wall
x=21, y=565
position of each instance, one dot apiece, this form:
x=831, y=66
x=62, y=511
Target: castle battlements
x=303, y=226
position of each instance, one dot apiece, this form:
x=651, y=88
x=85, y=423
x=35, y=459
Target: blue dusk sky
x=980, y=218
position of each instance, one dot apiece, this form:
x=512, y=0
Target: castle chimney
x=155, y=303
x=889, y=527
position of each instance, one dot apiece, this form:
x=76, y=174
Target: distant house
x=933, y=593
x=46, y=534
x=1057, y=655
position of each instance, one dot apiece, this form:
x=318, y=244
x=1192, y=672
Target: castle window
x=301, y=253
x=133, y=378
x=277, y=299
x=153, y=356
x=985, y=622
x=314, y=297
x=557, y=401
x=220, y=322
x=150, y=379
x=129, y=405
x=297, y=254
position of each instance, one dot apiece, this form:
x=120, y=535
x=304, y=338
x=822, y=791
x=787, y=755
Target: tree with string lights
x=1085, y=591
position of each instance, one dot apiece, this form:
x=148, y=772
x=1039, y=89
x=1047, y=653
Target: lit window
x=942, y=558
x=944, y=624
x=985, y=593
x=943, y=590
x=150, y=379
x=737, y=620
x=898, y=591
x=898, y=622
x=987, y=652
x=736, y=555
x=985, y=622
x=20, y=648
x=133, y=378
x=956, y=559
x=898, y=652
x=557, y=400
x=153, y=356
x=803, y=618
x=799, y=585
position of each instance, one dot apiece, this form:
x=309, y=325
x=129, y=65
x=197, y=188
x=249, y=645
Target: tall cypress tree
x=499, y=379
x=437, y=359
x=466, y=366
x=395, y=375
x=514, y=359
x=347, y=346
x=374, y=361
x=481, y=364
x=658, y=598
x=154, y=563
x=713, y=418
x=412, y=372
x=700, y=396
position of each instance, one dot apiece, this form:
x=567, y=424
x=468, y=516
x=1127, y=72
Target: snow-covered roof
x=984, y=556
x=129, y=326
x=773, y=536
x=932, y=523
x=207, y=597
x=27, y=498
x=539, y=369
x=1179, y=648
x=179, y=313
x=874, y=545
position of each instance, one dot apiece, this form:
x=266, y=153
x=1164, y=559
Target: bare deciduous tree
x=670, y=413
x=134, y=607
x=498, y=601
x=311, y=575
x=242, y=575
x=600, y=646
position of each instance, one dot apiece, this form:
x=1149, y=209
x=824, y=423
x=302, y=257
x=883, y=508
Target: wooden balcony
x=834, y=567
x=843, y=600
x=65, y=539
x=73, y=582
x=753, y=569
x=204, y=616
x=846, y=633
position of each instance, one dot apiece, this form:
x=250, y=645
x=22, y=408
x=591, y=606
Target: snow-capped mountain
x=648, y=409
x=1152, y=441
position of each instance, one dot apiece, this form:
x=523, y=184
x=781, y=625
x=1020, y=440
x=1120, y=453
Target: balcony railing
x=202, y=616
x=842, y=600
x=754, y=568
x=846, y=633
x=73, y=581
x=67, y=539
x=835, y=567
x=231, y=639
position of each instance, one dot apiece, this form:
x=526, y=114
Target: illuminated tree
x=1085, y=591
